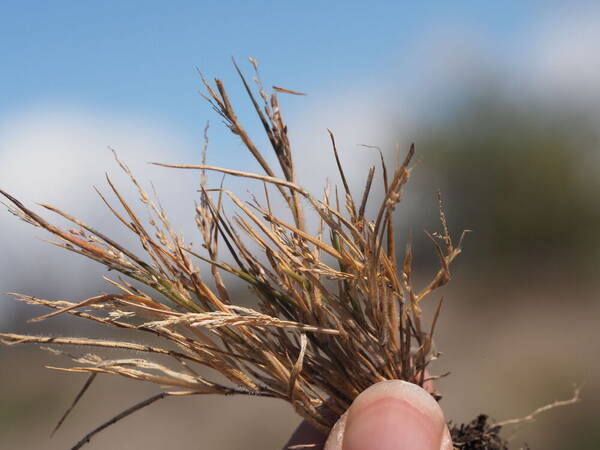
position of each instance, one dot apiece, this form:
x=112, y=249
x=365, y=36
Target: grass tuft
x=337, y=309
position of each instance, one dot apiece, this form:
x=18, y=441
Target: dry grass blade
x=237, y=173
x=221, y=319
x=287, y=91
x=122, y=415
x=80, y=394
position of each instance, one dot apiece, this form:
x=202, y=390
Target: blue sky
x=140, y=57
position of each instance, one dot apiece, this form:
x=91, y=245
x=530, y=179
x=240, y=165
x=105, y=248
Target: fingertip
x=411, y=393
x=391, y=415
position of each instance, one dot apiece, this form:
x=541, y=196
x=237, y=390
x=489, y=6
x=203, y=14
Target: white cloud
x=354, y=119
x=56, y=155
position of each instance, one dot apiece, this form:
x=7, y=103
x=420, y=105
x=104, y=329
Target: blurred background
x=501, y=98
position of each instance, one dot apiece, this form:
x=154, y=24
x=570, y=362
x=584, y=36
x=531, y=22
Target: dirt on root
x=477, y=435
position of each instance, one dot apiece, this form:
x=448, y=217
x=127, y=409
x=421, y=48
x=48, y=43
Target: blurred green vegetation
x=523, y=175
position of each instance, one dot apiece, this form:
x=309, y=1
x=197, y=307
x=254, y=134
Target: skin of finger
x=307, y=434
x=446, y=440
x=399, y=390
x=336, y=437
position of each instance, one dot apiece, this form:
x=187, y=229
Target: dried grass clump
x=337, y=311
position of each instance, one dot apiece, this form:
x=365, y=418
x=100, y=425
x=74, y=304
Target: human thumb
x=391, y=415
